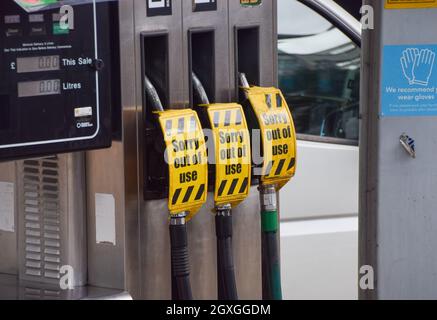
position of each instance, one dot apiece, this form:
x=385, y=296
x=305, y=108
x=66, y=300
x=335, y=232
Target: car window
x=319, y=73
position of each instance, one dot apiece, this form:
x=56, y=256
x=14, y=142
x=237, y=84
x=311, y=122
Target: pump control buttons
x=232, y=153
x=187, y=160
x=278, y=135
x=83, y=112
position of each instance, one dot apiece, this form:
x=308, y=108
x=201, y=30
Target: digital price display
x=39, y=88
x=38, y=64
x=54, y=95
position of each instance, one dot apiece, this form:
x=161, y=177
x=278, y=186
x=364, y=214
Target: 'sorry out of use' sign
x=410, y=4
x=409, y=84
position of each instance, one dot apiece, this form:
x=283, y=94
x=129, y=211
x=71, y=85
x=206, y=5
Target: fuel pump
x=185, y=154
x=232, y=177
x=268, y=112
x=59, y=96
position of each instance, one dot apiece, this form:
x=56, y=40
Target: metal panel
x=8, y=239
x=397, y=204
x=263, y=16
x=218, y=22
x=173, y=25
x=51, y=208
x=106, y=260
x=153, y=238
x=114, y=171
x=11, y=290
x=140, y=261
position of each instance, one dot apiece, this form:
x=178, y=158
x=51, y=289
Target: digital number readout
x=38, y=64
x=39, y=88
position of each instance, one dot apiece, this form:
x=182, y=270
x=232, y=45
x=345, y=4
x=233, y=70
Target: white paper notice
x=7, y=208
x=105, y=219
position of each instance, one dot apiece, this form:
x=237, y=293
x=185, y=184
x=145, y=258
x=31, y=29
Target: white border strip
x=319, y=226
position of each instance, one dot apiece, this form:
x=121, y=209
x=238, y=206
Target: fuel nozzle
x=185, y=195
x=277, y=170
x=226, y=188
x=243, y=80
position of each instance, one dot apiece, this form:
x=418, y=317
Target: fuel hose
x=271, y=262
x=227, y=287
x=152, y=94
x=271, y=259
x=199, y=89
x=180, y=264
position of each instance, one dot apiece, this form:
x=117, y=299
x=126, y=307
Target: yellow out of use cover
x=278, y=135
x=187, y=160
x=232, y=153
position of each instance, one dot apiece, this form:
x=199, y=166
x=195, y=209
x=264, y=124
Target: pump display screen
x=59, y=87
x=38, y=64
x=39, y=88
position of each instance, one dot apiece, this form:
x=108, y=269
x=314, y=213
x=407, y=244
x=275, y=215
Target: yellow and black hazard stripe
x=190, y=195
x=278, y=168
x=228, y=187
x=233, y=117
x=269, y=101
x=182, y=125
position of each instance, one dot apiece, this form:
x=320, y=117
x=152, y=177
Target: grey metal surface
x=218, y=22
x=106, y=261
x=397, y=197
x=265, y=17
x=8, y=239
x=13, y=289
x=115, y=171
x=140, y=261
x=51, y=218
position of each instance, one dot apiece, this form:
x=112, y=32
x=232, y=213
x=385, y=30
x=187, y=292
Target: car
x=319, y=73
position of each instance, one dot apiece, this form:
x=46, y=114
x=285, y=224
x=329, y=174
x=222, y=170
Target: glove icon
x=423, y=67
x=418, y=65
x=408, y=61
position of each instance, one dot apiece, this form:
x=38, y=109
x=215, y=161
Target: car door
x=319, y=74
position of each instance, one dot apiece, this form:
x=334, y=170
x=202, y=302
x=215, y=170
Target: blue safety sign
x=409, y=81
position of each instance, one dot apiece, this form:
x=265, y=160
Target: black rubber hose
x=227, y=287
x=271, y=267
x=153, y=95
x=180, y=264
x=199, y=89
